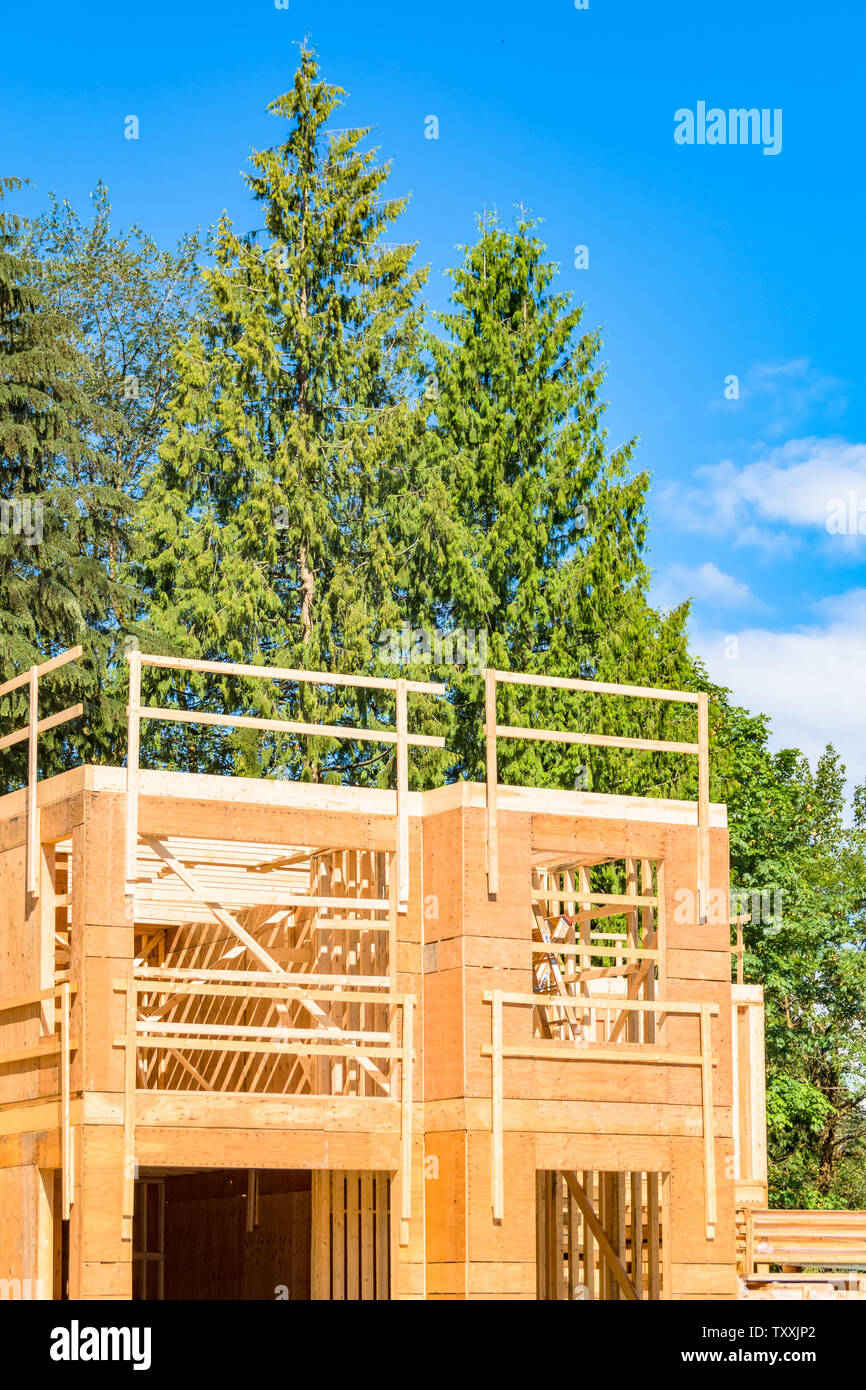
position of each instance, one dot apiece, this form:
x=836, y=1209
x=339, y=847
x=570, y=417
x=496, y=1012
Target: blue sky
x=705, y=261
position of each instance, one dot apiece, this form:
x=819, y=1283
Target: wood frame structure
x=301, y=1015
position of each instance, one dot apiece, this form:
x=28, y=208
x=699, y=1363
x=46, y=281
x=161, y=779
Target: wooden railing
x=55, y=1041
x=209, y=1050
x=398, y=736
x=816, y=1240
x=31, y=731
x=749, y=1115
x=583, y=1049
x=494, y=731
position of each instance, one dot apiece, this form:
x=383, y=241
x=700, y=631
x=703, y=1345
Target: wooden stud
x=497, y=1137
x=703, y=807
x=67, y=1174
x=32, y=778
x=653, y=1237
x=402, y=802
x=708, y=1121
x=406, y=1121
x=132, y=770
x=490, y=678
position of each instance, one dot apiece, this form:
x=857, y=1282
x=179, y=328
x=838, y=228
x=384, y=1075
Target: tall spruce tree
x=60, y=520
x=292, y=437
x=553, y=521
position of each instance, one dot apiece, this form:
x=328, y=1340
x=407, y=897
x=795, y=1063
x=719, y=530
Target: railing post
x=490, y=759
x=132, y=770
x=33, y=837
x=402, y=800
x=703, y=807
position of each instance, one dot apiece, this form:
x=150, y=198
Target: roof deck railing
x=398, y=736
x=31, y=731
x=494, y=731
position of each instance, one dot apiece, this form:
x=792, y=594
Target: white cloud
x=799, y=485
x=787, y=394
x=811, y=680
x=706, y=581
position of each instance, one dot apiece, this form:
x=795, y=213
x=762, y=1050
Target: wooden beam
x=132, y=770
x=406, y=1087
x=67, y=1176
x=43, y=669
x=51, y=721
x=600, y=687
x=402, y=801
x=594, y=740
x=491, y=777
x=287, y=726
x=497, y=1131
x=708, y=1122
x=703, y=807
x=32, y=778
x=281, y=673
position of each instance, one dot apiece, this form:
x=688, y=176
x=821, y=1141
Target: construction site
x=271, y=1039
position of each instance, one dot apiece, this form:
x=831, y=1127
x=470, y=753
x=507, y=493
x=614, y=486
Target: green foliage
x=62, y=516
x=288, y=459
x=803, y=871
x=553, y=524
x=129, y=302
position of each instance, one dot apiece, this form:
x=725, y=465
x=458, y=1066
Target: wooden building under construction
x=269, y=1039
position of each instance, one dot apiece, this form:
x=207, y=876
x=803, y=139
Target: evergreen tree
x=553, y=522
x=132, y=302
x=800, y=871
x=59, y=518
x=292, y=435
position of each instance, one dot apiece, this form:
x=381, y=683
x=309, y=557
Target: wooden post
x=320, y=1244
x=132, y=757
x=129, y=1109
x=703, y=807
x=735, y=1090
x=588, y=1245
x=496, y=1136
x=653, y=1231
x=402, y=800
x=406, y=1121
x=67, y=1175
x=490, y=743
x=708, y=1122
x=32, y=776
x=637, y=1231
